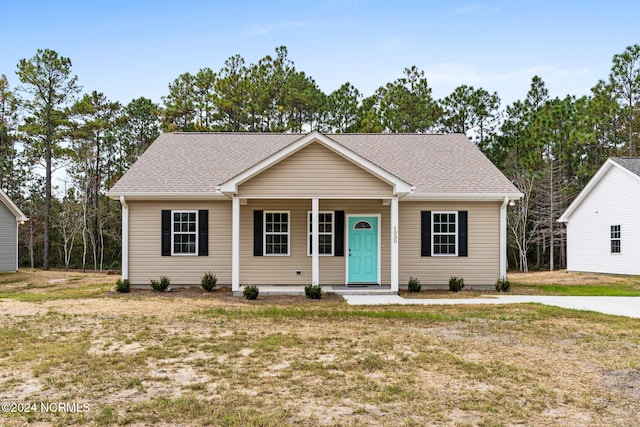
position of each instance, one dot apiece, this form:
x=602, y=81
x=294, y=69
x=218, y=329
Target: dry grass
x=211, y=359
x=563, y=277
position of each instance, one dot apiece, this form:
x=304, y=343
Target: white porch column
x=315, y=241
x=503, y=238
x=125, y=239
x=394, y=245
x=235, y=245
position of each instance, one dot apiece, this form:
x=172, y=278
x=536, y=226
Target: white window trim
x=174, y=232
x=332, y=234
x=265, y=233
x=619, y=239
x=433, y=233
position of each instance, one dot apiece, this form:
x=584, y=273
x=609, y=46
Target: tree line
x=548, y=147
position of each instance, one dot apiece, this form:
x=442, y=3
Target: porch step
x=362, y=290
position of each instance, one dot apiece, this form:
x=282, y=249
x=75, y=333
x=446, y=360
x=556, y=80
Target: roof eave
x=13, y=208
x=463, y=197
x=166, y=195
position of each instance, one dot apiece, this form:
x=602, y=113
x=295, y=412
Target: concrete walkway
x=619, y=306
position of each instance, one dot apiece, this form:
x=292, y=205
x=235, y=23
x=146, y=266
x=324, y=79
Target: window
x=616, y=238
x=444, y=233
x=325, y=233
x=276, y=233
x=184, y=236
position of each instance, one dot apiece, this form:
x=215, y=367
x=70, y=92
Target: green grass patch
x=612, y=290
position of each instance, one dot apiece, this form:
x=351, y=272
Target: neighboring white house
x=10, y=217
x=603, y=222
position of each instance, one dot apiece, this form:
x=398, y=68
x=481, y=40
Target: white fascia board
x=13, y=208
x=167, y=196
x=589, y=187
x=399, y=186
x=462, y=197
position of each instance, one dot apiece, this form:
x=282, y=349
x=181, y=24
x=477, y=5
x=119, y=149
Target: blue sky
x=127, y=49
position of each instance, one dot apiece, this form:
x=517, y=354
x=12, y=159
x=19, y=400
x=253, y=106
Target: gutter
x=503, y=238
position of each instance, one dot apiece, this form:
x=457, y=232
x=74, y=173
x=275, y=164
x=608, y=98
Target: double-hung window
x=616, y=239
x=325, y=233
x=276, y=233
x=445, y=233
x=184, y=236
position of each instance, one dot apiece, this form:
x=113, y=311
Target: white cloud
x=261, y=30
x=469, y=9
x=511, y=84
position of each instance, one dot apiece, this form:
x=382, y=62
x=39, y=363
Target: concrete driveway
x=619, y=306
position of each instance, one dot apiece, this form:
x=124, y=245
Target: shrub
x=160, y=285
x=456, y=283
x=503, y=285
x=208, y=281
x=123, y=285
x=313, y=291
x=250, y=292
x=414, y=284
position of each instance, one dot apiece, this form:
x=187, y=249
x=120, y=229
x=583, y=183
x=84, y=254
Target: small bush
x=456, y=283
x=503, y=285
x=414, y=284
x=250, y=292
x=313, y=291
x=208, y=281
x=123, y=286
x=160, y=285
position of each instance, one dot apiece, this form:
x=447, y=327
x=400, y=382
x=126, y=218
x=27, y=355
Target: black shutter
x=257, y=233
x=462, y=233
x=166, y=232
x=425, y=233
x=338, y=224
x=203, y=232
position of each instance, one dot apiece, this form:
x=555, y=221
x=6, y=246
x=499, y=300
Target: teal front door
x=363, y=249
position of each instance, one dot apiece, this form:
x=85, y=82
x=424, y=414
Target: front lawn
x=180, y=359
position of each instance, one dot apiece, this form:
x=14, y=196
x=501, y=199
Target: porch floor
x=336, y=289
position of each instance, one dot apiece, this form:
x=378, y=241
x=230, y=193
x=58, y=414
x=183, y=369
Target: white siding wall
x=8, y=244
x=615, y=200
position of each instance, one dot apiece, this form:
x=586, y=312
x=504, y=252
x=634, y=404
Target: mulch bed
x=226, y=295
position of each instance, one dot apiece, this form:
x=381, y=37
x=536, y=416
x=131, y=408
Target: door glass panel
x=362, y=225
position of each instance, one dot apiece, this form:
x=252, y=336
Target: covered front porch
x=315, y=206
x=344, y=245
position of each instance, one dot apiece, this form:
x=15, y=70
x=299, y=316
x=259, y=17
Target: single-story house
x=328, y=209
x=10, y=217
x=603, y=226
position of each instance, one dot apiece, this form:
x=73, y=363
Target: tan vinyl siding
x=315, y=171
x=480, y=268
x=256, y=270
x=145, y=260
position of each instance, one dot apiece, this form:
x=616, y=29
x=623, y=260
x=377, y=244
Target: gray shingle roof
x=632, y=164
x=199, y=162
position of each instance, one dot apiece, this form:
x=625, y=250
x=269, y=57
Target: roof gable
x=630, y=166
x=15, y=210
x=400, y=187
